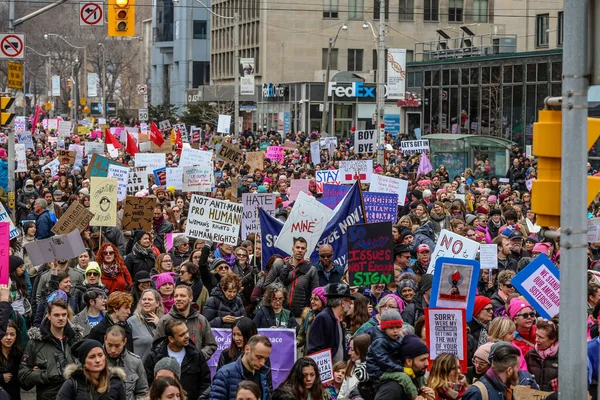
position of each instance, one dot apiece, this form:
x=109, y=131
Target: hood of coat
x=75, y=371
x=73, y=332
x=427, y=230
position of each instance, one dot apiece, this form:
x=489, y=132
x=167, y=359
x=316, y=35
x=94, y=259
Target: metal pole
x=236, y=73
x=572, y=382
x=325, y=115
x=73, y=102
x=85, y=73
x=11, y=16
x=380, y=79
x=103, y=80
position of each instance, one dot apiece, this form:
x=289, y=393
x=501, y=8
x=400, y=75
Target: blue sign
x=381, y=207
x=336, y=192
x=286, y=122
x=455, y=284
x=539, y=283
x=392, y=124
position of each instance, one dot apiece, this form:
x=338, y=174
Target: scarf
x=157, y=222
x=110, y=270
x=549, y=352
x=453, y=390
x=503, y=296
x=143, y=252
x=149, y=325
x=168, y=303
x=497, y=382
x=230, y=259
x=483, y=333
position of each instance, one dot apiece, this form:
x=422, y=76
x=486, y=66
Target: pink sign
x=4, y=252
x=276, y=153
x=297, y=186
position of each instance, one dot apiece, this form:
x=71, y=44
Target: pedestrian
x=118, y=309
x=304, y=380
x=224, y=304
x=144, y=321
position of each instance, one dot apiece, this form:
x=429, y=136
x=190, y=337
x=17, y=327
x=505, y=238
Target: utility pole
x=381, y=62
x=325, y=114
x=572, y=379
x=236, y=74
x=103, y=79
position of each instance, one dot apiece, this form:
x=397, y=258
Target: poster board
x=252, y=202
x=539, y=283
x=455, y=284
x=331, y=176
x=352, y=170
x=488, y=256
x=370, y=254
x=276, y=153
x=59, y=247
x=76, y=217
x=297, y=186
x=446, y=332
x=137, y=180
x=387, y=184
x=66, y=156
x=325, y=364
x=231, y=154
x=365, y=141
x=103, y=201
x=449, y=244
x=410, y=147
x=381, y=207
x=4, y=252
x=214, y=220
x=121, y=173
x=98, y=166
x=198, y=179
x=138, y=213
x=192, y=157
x=255, y=160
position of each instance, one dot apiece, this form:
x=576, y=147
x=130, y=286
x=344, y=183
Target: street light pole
x=380, y=108
x=103, y=80
x=325, y=114
x=236, y=73
x=84, y=48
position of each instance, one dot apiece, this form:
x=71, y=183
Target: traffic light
x=547, y=147
x=6, y=116
x=70, y=103
x=69, y=82
x=121, y=18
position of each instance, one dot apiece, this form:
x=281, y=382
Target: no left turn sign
x=11, y=46
x=90, y=14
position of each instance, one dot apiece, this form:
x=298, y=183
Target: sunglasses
x=93, y=273
x=221, y=268
x=325, y=255
x=508, y=285
x=182, y=271
x=527, y=315
x=241, y=255
x=108, y=253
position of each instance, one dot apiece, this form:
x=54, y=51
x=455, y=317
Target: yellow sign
x=103, y=201
x=15, y=75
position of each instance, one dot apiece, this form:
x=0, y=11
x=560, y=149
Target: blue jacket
x=43, y=226
x=4, y=175
x=335, y=274
x=593, y=360
x=494, y=393
x=227, y=379
x=323, y=333
x=384, y=354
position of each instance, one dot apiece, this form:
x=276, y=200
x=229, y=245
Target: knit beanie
x=169, y=364
x=413, y=347
x=57, y=295
x=216, y=262
x=426, y=283
x=480, y=303
x=320, y=293
x=14, y=262
x=390, y=319
x=515, y=307
x=543, y=247
x=398, y=300
x=93, y=266
x=83, y=348
x=164, y=278
x=404, y=283
x=137, y=235
x=406, y=232
x=483, y=351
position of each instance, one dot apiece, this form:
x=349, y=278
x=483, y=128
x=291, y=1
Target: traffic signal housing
x=121, y=18
x=6, y=116
x=547, y=147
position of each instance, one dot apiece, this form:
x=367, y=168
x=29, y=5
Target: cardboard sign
x=381, y=207
x=231, y=154
x=539, y=283
x=214, y=220
x=256, y=160
x=488, y=256
x=414, y=146
x=76, y=217
x=138, y=213
x=455, y=284
x=137, y=180
x=297, y=186
x=166, y=147
x=66, y=157
x=276, y=153
x=365, y=142
x=192, y=157
x=386, y=184
x=251, y=203
x=325, y=364
x=59, y=247
x=446, y=332
x=103, y=201
x=4, y=252
x=370, y=254
x=98, y=166
x=451, y=245
x=527, y=393
x=352, y=170
x=198, y=179
x=121, y=173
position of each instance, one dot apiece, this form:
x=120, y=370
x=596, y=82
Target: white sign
x=251, y=202
x=20, y=124
x=143, y=114
x=224, y=124
x=93, y=148
x=593, y=230
x=414, y=146
x=324, y=363
x=59, y=247
x=164, y=125
x=25, y=138
x=451, y=245
x=192, y=157
x=151, y=161
x=175, y=177
x=198, y=178
x=5, y=218
x=138, y=180
x=386, y=184
x=122, y=175
x=488, y=256
x=365, y=142
x=53, y=166
x=21, y=158
x=142, y=89
x=315, y=153
x=214, y=220
x=90, y=14
x=55, y=86
x=53, y=123
x=12, y=46
x=92, y=84
x=64, y=130
x=446, y=331
x=539, y=283
x=396, y=73
x=352, y=170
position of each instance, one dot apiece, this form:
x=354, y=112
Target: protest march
x=274, y=265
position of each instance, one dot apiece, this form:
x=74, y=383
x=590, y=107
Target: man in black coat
x=195, y=374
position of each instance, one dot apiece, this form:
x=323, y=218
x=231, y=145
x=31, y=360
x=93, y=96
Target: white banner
x=414, y=146
x=386, y=184
x=247, y=78
x=451, y=245
x=214, y=220
x=122, y=175
x=92, y=84
x=396, y=70
x=56, y=85
x=251, y=202
x=365, y=142
x=355, y=169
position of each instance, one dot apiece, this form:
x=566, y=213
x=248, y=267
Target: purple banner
x=381, y=207
x=336, y=192
x=329, y=202
x=283, y=352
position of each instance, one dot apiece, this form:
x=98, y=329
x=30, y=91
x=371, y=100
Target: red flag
x=110, y=139
x=131, y=145
x=155, y=135
x=36, y=117
x=179, y=142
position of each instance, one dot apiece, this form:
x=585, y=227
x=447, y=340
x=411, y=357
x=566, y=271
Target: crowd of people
x=131, y=318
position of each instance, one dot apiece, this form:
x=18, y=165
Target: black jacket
x=300, y=281
x=195, y=374
x=136, y=263
x=414, y=310
x=77, y=386
x=265, y=318
x=544, y=371
x=323, y=333
x=219, y=306
x=98, y=332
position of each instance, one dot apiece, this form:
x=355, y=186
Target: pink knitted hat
x=515, y=307
x=399, y=301
x=165, y=277
x=320, y=293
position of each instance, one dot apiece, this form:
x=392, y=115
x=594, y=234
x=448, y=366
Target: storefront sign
x=271, y=90
x=356, y=89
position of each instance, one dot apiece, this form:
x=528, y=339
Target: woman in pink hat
x=523, y=316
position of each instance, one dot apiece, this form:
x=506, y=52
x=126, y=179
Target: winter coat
x=50, y=356
x=544, y=371
x=494, y=392
x=209, y=279
x=143, y=335
x=367, y=327
x=23, y=200
x=414, y=310
x=219, y=306
x=11, y=366
x=195, y=374
x=137, y=262
x=383, y=355
x=439, y=222
x=81, y=320
x=265, y=318
x=79, y=290
x=335, y=274
x=497, y=301
x=302, y=336
x=77, y=386
x=179, y=258
x=44, y=280
x=525, y=342
x=324, y=333
x=300, y=281
x=98, y=332
x=200, y=333
x=227, y=379
x=509, y=263
x=43, y=226
x=424, y=234
x=121, y=282
x=136, y=383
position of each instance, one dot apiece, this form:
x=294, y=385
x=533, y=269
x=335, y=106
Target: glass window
x=557, y=71
x=507, y=74
x=480, y=10
x=454, y=77
x=455, y=11
x=333, y=62
x=355, y=59
x=200, y=29
x=496, y=74
x=415, y=79
x=355, y=9
x=427, y=78
x=446, y=77
x=410, y=56
x=200, y=73
x=465, y=76
x=474, y=76
x=330, y=8
x=518, y=73
x=376, y=11
x=407, y=10
x=560, y=28
x=431, y=11
x=542, y=30
x=485, y=75
x=542, y=72
x=531, y=69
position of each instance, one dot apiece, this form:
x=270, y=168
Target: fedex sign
x=356, y=89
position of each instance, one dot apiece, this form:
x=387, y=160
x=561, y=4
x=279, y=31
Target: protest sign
x=94, y=148
x=59, y=247
x=251, y=202
x=175, y=177
x=365, y=142
x=256, y=160
x=20, y=124
x=451, y=245
x=103, y=201
x=455, y=284
x=446, y=332
x=164, y=125
x=315, y=153
x=150, y=161
x=5, y=218
x=198, y=179
x=327, y=176
x=192, y=157
x=593, y=230
x=138, y=213
x=329, y=202
x=121, y=173
x=214, y=220
x=336, y=192
x=414, y=146
x=356, y=169
x=98, y=166
x=386, y=184
x=488, y=256
x=381, y=207
x=224, y=124
x=166, y=147
x=66, y=156
x=370, y=258
x=289, y=145
x=327, y=143
x=137, y=180
x=21, y=157
x=52, y=166
x=160, y=176
x=527, y=393
x=64, y=129
x=539, y=283
x=78, y=149
x=276, y=153
x=76, y=217
x=53, y=124
x=169, y=240
x=283, y=352
x=231, y=154
x=297, y=186
x=26, y=139
x=308, y=219
x=4, y=252
x=323, y=360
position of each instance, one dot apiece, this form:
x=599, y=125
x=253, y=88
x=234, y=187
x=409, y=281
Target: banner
x=92, y=84
x=452, y=245
x=121, y=173
x=276, y=153
x=231, y=154
x=370, y=254
x=381, y=207
x=365, y=142
x=214, y=220
x=386, y=184
x=414, y=146
x=76, y=217
x=396, y=73
x=455, y=284
x=539, y=283
x=103, y=201
x=247, y=78
x=252, y=202
x=324, y=363
x=327, y=176
x=21, y=157
x=283, y=352
x=137, y=180
x=138, y=213
x=192, y=157
x=55, y=86
x=352, y=170
x=198, y=179
x=270, y=227
x=446, y=332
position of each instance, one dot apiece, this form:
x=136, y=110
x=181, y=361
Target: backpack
x=483, y=389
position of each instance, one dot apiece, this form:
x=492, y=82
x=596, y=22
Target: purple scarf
x=230, y=259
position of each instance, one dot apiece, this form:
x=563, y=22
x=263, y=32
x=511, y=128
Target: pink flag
x=36, y=118
x=424, y=166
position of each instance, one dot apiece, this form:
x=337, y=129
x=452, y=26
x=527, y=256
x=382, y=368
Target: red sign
x=409, y=101
x=11, y=46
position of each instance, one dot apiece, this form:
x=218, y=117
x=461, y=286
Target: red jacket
x=121, y=282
